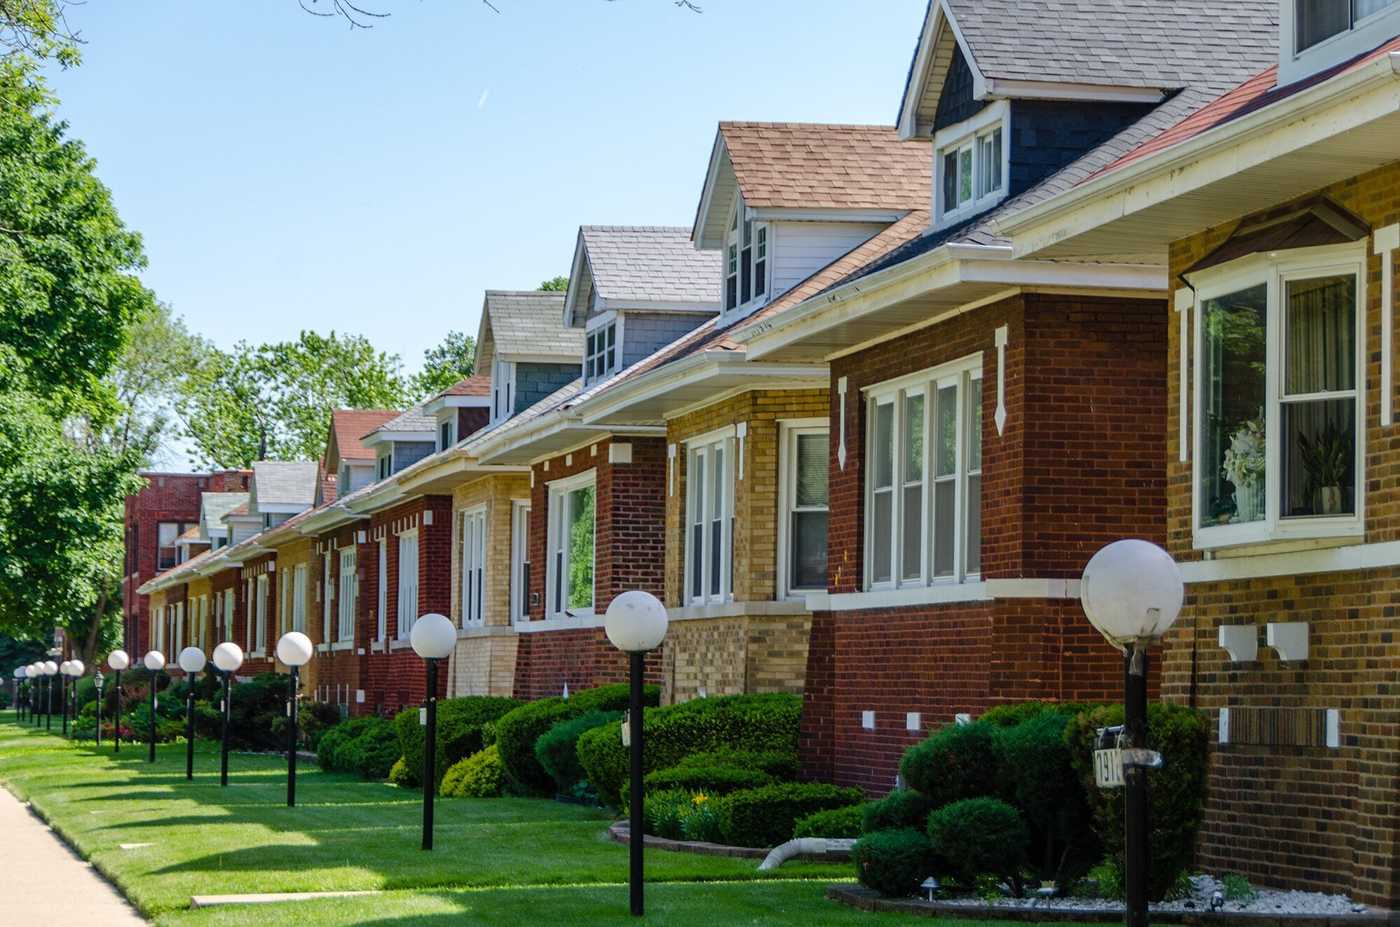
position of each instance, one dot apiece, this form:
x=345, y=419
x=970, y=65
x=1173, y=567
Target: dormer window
x=446, y=436
x=502, y=390
x=746, y=262
x=385, y=466
x=600, y=357
x=1321, y=33
x=971, y=159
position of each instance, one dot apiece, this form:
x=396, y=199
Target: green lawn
x=498, y=862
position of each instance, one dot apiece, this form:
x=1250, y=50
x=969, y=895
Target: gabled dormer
x=1314, y=35
x=213, y=507
x=525, y=349
x=403, y=440
x=783, y=200
x=461, y=410
x=635, y=289
x=1005, y=107
x=281, y=489
x=347, y=458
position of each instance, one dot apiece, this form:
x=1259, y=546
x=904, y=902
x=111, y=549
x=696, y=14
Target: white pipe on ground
x=805, y=846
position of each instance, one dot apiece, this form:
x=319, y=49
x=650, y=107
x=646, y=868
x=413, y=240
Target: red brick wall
x=340, y=674
x=253, y=569
x=582, y=657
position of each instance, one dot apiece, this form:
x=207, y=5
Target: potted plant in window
x=1244, y=466
x=1325, y=458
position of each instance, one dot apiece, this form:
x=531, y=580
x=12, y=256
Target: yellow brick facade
x=280, y=608
x=484, y=661
x=754, y=644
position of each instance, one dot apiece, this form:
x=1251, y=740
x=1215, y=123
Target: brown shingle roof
x=812, y=166
x=476, y=385
x=350, y=425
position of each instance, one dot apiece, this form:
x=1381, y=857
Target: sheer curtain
x=1320, y=365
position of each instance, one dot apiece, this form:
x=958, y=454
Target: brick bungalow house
x=1275, y=210
x=992, y=422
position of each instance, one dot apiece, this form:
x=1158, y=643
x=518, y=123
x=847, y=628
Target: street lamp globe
x=154, y=661
x=433, y=637
x=118, y=660
x=50, y=668
x=295, y=649
x=191, y=660
x=64, y=668
x=76, y=668
x=636, y=622
x=228, y=656
x=1132, y=591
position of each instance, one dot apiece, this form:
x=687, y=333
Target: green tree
x=444, y=364
x=555, y=285
x=274, y=400
x=34, y=30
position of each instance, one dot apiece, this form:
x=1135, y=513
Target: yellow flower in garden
x=700, y=799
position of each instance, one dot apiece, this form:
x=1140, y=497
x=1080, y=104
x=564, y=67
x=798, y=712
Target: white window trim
x=502, y=390
x=226, y=631
x=704, y=447
x=327, y=596
x=382, y=627
x=1365, y=34
x=474, y=544
x=929, y=382
x=451, y=423
x=601, y=323
x=299, y=578
x=958, y=136
x=519, y=554
x=558, y=491
x=405, y=628
x=348, y=589
x=260, y=644
x=1273, y=270
x=248, y=627
x=787, y=476
x=733, y=235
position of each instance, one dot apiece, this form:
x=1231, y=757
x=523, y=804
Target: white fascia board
x=545, y=358
x=250, y=552
x=799, y=214
x=329, y=518
x=385, y=494
x=658, y=305
x=979, y=81
x=999, y=88
x=442, y=403
x=1210, y=156
x=719, y=156
x=914, y=90
x=214, y=565
x=576, y=272
x=382, y=437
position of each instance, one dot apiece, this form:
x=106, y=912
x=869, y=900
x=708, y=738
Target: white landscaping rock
x=1265, y=901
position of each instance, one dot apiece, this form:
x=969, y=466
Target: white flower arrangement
x=1244, y=458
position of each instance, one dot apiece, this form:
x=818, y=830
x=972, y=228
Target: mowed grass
x=344, y=834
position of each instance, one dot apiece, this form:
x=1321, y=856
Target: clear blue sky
x=289, y=173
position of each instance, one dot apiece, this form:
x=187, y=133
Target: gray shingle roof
x=1122, y=43
x=280, y=482
x=414, y=420
x=531, y=322
x=215, y=505
x=657, y=264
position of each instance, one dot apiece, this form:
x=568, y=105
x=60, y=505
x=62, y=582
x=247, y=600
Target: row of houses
x=1118, y=270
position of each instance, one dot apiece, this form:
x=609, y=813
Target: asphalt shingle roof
x=531, y=322
x=350, y=425
x=216, y=505
x=651, y=264
x=414, y=420
x=476, y=385
x=281, y=482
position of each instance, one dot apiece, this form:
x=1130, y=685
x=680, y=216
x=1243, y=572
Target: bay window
x=805, y=454
x=1279, y=348
x=571, y=546
x=924, y=476
x=971, y=161
x=407, y=612
x=710, y=519
x=473, y=540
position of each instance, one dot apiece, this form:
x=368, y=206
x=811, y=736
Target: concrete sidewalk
x=40, y=877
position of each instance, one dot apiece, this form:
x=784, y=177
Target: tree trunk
x=93, y=638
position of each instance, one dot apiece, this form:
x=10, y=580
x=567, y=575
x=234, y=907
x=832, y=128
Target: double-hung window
x=260, y=645
x=327, y=595
x=408, y=583
x=299, y=598
x=745, y=260
x=709, y=562
x=802, y=530
x=345, y=603
x=971, y=161
x=446, y=435
x=571, y=546
x=249, y=622
x=520, y=560
x=284, y=611
x=924, y=478
x=381, y=628
x=473, y=566
x=226, y=631
x=600, y=358
x=1279, y=414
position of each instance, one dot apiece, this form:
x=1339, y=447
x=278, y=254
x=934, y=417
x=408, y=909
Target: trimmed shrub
x=894, y=862
x=1011, y=714
x=979, y=836
x=518, y=729
x=837, y=823
x=1046, y=789
x=781, y=766
x=557, y=748
x=334, y=740
x=373, y=753
x=898, y=810
x=459, y=735
x=480, y=775
x=960, y=761
x=1177, y=791
x=766, y=816
x=399, y=775
x=765, y=723
x=712, y=780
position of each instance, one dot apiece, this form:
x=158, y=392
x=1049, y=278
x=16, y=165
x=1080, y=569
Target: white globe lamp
x=191, y=660
x=118, y=660
x=636, y=622
x=154, y=661
x=1132, y=592
x=433, y=637
x=295, y=649
x=228, y=657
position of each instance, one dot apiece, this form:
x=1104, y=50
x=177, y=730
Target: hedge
x=781, y=766
x=835, y=824
x=978, y=836
x=367, y=746
x=459, y=730
x=900, y=809
x=765, y=723
x=518, y=729
x=767, y=816
x=480, y=775
x=557, y=748
x=705, y=780
x=894, y=862
x=960, y=761
x=1177, y=791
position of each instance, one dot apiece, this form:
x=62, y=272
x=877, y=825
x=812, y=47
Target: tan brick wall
x=735, y=655
x=289, y=555
x=197, y=588
x=483, y=664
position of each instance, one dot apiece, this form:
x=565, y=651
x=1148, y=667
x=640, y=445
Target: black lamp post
x=433, y=638
x=294, y=650
x=636, y=623
x=97, y=680
x=65, y=672
x=36, y=676
x=118, y=661
x=228, y=657
x=192, y=661
x=1132, y=592
x=50, y=670
x=154, y=662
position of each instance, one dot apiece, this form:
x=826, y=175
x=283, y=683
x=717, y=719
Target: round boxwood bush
x=480, y=775
x=900, y=809
x=767, y=816
x=1176, y=792
x=979, y=836
x=764, y=723
x=459, y=731
x=400, y=776
x=893, y=862
x=519, y=729
x=333, y=741
x=373, y=753
x=839, y=823
x=557, y=748
x=960, y=761
x=781, y=766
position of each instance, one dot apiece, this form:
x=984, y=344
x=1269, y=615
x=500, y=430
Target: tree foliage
x=34, y=30
x=272, y=401
x=555, y=285
x=444, y=364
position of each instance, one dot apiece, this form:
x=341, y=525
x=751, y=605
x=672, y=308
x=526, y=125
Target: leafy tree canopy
x=444, y=364
x=555, y=285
